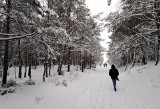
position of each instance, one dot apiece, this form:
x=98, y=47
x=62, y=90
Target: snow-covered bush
x=59, y=80
x=11, y=90
x=57, y=83
x=6, y=90
x=64, y=82
x=87, y=67
x=11, y=82
x=29, y=82
x=2, y=91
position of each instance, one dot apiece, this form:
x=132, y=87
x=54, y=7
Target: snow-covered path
x=99, y=94
x=93, y=90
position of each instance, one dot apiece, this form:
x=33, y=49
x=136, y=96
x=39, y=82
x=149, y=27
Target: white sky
x=98, y=6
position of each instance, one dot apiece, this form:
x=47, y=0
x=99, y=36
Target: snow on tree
x=49, y=32
x=134, y=33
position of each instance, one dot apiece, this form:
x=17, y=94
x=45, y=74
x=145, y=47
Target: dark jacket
x=113, y=73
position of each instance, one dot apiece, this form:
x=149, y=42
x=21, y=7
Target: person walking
x=113, y=73
x=106, y=64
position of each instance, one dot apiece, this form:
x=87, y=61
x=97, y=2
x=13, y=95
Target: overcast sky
x=98, y=6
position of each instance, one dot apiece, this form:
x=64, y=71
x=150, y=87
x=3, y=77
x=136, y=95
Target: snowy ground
x=138, y=88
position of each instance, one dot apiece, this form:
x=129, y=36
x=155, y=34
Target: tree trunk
x=54, y=62
x=29, y=71
x=4, y=81
x=44, y=73
x=76, y=61
x=84, y=58
x=134, y=57
x=82, y=65
x=127, y=57
x=20, y=71
x=15, y=72
x=59, y=70
x=30, y=61
x=26, y=61
x=143, y=60
x=157, y=55
x=49, y=67
x=20, y=60
x=69, y=59
x=46, y=67
x=25, y=72
x=90, y=59
x=5, y=69
x=73, y=58
x=68, y=31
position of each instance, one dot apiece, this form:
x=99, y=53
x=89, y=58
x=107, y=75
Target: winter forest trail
x=100, y=94
x=93, y=90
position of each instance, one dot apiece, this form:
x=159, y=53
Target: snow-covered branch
x=17, y=37
x=9, y=34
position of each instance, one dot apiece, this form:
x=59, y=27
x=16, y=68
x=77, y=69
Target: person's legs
x=114, y=83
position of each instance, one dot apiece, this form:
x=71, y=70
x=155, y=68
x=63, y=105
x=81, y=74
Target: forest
x=63, y=32
x=54, y=55
x=135, y=31
x=47, y=32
